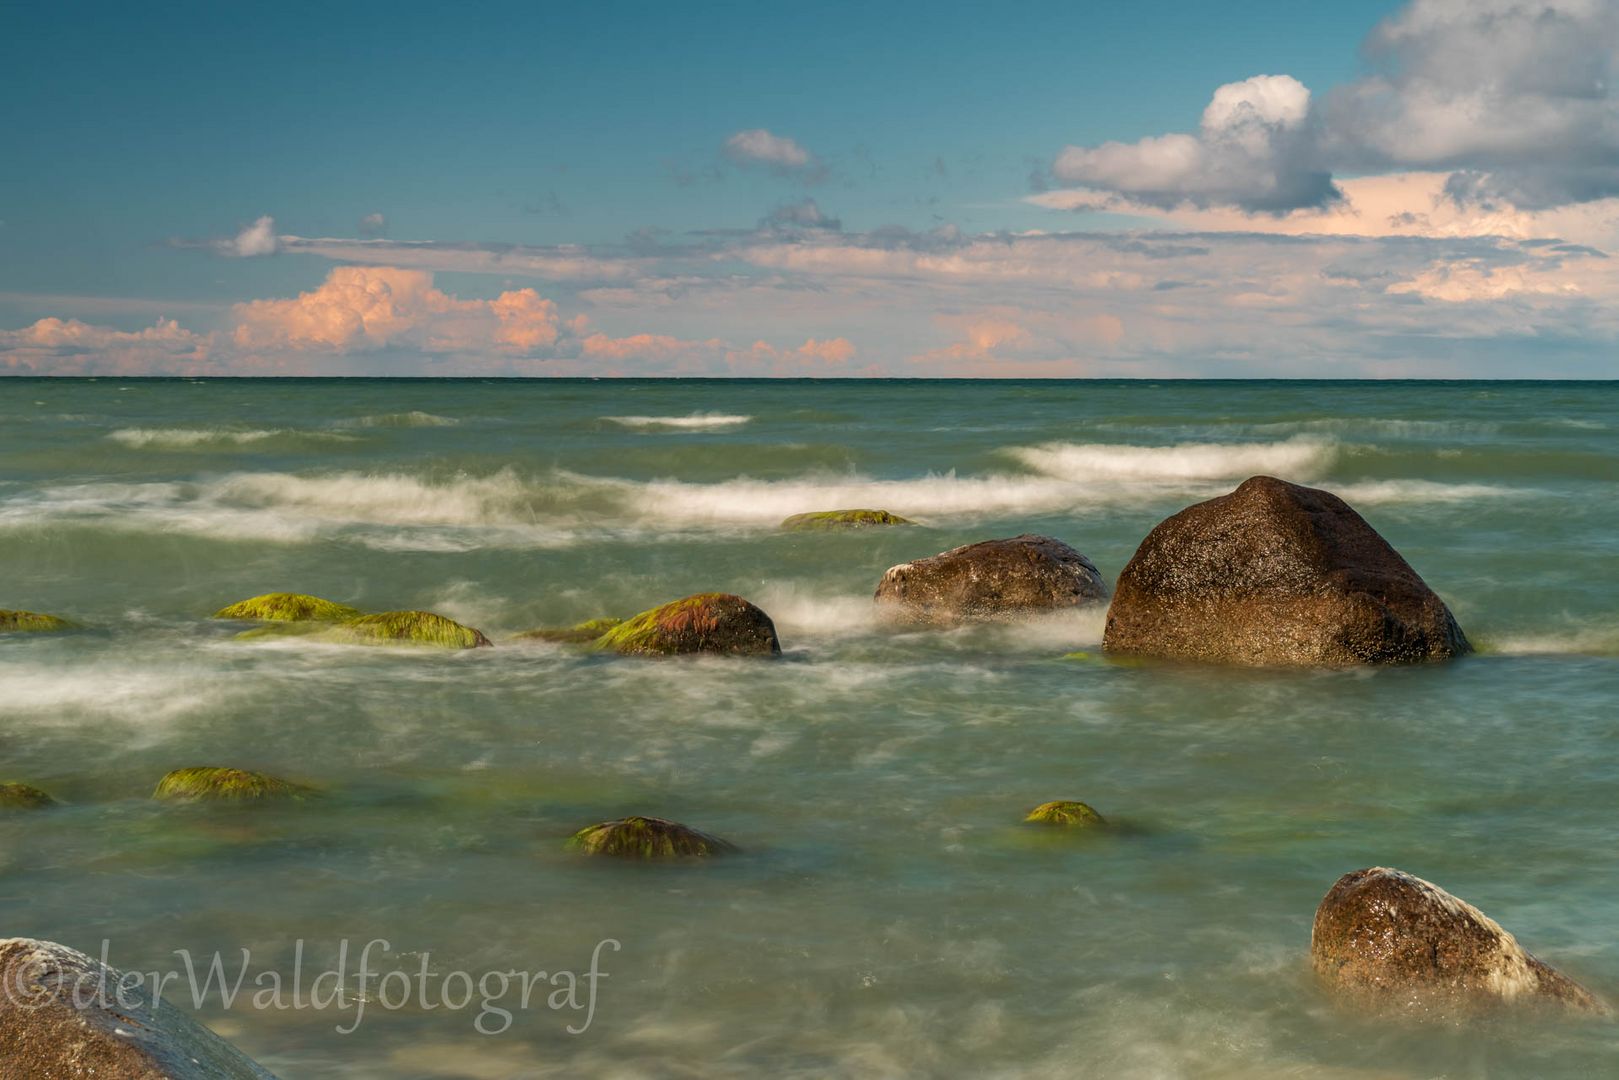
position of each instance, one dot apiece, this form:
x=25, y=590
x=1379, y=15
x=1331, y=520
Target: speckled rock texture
x=1388, y=939
x=44, y=1035
x=1276, y=574
x=989, y=581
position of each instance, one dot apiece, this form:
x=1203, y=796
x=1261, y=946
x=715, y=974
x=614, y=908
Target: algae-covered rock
x=215, y=784
x=272, y=630
x=842, y=519
x=647, y=838
x=288, y=607
x=32, y=622
x=1065, y=812
x=705, y=623
x=65, y=1015
x=23, y=797
x=1389, y=939
x=1276, y=574
x=989, y=581
x=407, y=628
x=577, y=634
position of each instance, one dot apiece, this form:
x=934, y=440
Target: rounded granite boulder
x=715, y=623
x=1276, y=574
x=993, y=580
x=826, y=520
x=1389, y=939
x=647, y=838
x=1065, y=812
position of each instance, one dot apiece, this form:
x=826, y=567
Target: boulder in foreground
x=213, y=784
x=717, y=623
x=63, y=1015
x=407, y=628
x=15, y=796
x=1390, y=939
x=647, y=838
x=288, y=607
x=842, y=519
x=1276, y=574
x=1065, y=812
x=989, y=581
x=32, y=622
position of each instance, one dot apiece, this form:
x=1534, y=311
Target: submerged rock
x=705, y=623
x=842, y=519
x=578, y=633
x=988, y=581
x=214, y=784
x=24, y=797
x=288, y=607
x=407, y=628
x=1387, y=938
x=1065, y=812
x=1275, y=573
x=32, y=622
x=647, y=838
x=66, y=1015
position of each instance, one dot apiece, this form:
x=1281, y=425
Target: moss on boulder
x=578, y=633
x=288, y=607
x=647, y=838
x=16, y=796
x=32, y=622
x=1065, y=812
x=705, y=623
x=407, y=628
x=842, y=519
x=215, y=784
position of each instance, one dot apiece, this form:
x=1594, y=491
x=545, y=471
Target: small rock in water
x=288, y=607
x=842, y=519
x=1274, y=574
x=647, y=838
x=26, y=622
x=64, y=1015
x=407, y=628
x=214, y=784
x=1065, y=812
x=16, y=796
x=577, y=634
x=989, y=581
x=706, y=623
x=1390, y=939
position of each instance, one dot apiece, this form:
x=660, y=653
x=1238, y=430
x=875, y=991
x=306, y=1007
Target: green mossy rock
x=271, y=631
x=23, y=797
x=32, y=622
x=842, y=519
x=407, y=628
x=577, y=634
x=1065, y=812
x=214, y=784
x=647, y=838
x=706, y=623
x=288, y=607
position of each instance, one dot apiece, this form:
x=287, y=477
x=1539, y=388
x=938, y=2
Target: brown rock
x=989, y=581
x=1387, y=938
x=63, y=1015
x=718, y=623
x=1275, y=573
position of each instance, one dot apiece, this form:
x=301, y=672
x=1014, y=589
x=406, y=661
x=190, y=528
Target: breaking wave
x=1297, y=459
x=692, y=422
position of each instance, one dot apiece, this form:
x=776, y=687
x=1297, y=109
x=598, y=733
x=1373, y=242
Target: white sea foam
x=212, y=438
x=692, y=422
x=415, y=418
x=1296, y=458
x=1387, y=492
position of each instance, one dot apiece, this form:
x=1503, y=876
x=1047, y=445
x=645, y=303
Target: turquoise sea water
x=889, y=916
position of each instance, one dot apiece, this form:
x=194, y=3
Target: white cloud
x=756, y=146
x=373, y=225
x=258, y=238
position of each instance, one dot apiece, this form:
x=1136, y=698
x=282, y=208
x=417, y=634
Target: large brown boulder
x=63, y=1014
x=989, y=581
x=1275, y=573
x=1386, y=938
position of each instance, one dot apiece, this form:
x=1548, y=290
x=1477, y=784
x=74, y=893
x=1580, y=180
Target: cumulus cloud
x=258, y=238
x=780, y=154
x=804, y=214
x=54, y=346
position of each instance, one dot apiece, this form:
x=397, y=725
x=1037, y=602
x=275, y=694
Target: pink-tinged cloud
x=828, y=358
x=69, y=347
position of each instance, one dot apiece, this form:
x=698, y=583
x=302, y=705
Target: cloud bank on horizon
x=1449, y=212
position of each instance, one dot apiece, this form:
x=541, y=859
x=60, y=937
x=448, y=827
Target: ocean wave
x=213, y=438
x=691, y=422
x=1386, y=492
x=1297, y=458
x=415, y=418
x=1586, y=640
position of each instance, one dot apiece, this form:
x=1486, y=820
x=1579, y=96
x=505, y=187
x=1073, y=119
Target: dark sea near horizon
x=889, y=915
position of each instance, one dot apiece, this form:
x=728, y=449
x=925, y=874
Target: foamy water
x=889, y=915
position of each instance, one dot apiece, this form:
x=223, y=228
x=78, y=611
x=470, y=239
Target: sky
x=1265, y=189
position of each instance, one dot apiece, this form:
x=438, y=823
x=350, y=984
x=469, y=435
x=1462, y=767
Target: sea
x=889, y=914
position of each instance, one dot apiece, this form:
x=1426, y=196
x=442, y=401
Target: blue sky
x=728, y=188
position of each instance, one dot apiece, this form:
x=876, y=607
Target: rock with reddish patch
x=706, y=623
